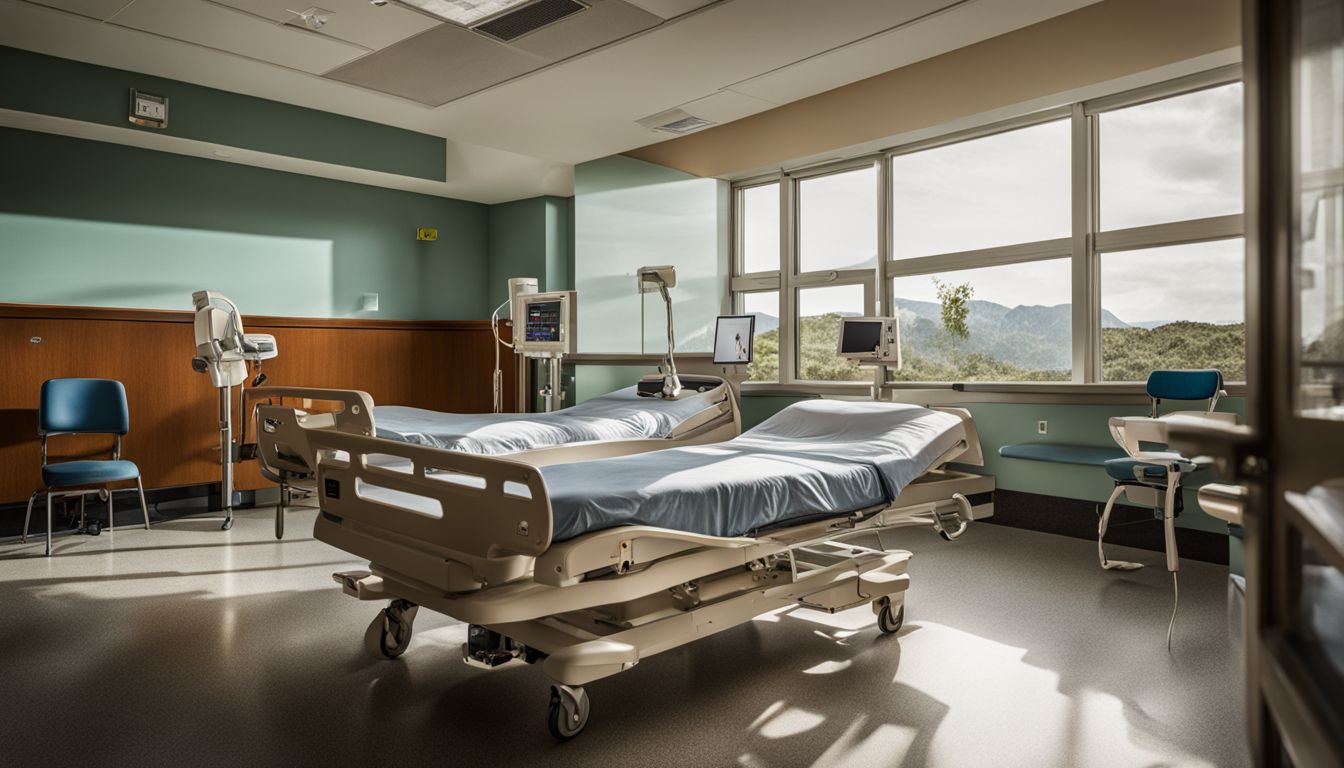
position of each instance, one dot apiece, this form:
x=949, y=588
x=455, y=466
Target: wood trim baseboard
x=131, y=314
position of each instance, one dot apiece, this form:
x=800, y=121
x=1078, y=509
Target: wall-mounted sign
x=149, y=110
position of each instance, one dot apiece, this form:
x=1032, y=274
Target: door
x=1292, y=459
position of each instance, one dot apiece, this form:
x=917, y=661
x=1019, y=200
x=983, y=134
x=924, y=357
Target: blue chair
x=1150, y=475
x=84, y=407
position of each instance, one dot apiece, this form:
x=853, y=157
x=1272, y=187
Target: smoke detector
x=677, y=121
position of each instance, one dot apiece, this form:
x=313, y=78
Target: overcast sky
x=1168, y=160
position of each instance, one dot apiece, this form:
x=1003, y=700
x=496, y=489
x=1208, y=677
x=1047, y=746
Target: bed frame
x=286, y=416
x=600, y=603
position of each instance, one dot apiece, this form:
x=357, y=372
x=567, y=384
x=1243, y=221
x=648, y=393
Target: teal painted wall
x=628, y=214
x=97, y=224
x=529, y=238
x=32, y=82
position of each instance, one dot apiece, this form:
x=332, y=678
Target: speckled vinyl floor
x=185, y=645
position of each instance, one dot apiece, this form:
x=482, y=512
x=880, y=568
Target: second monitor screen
x=860, y=337
x=732, y=339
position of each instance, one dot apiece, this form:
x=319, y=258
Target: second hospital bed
x=588, y=568
x=616, y=424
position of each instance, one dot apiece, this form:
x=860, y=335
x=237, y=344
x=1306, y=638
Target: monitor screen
x=543, y=321
x=733, y=335
x=860, y=336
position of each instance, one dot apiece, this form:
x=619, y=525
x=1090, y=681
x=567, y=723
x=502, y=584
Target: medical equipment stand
x=553, y=394
x=223, y=351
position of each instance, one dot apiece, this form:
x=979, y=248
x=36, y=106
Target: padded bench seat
x=1062, y=453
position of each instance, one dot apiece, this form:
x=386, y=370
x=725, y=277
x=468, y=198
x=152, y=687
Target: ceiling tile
x=216, y=26
x=670, y=9
x=355, y=21
x=94, y=9
x=438, y=66
x=605, y=21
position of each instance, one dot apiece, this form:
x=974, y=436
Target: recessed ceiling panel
x=604, y=22
x=355, y=21
x=216, y=26
x=435, y=67
x=94, y=9
x=670, y=9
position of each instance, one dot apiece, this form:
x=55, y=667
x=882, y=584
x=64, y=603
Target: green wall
x=628, y=214
x=529, y=238
x=92, y=223
x=32, y=82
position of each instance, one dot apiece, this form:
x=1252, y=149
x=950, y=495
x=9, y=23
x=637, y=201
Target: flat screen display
x=733, y=335
x=543, y=321
x=859, y=336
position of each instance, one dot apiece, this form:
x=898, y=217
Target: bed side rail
x=479, y=506
x=285, y=416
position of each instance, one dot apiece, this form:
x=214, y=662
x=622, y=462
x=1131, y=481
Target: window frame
x=1084, y=245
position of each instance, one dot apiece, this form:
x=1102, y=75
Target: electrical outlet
x=1042, y=427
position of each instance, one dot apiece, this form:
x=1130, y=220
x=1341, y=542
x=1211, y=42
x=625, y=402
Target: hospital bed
x=588, y=568
x=616, y=424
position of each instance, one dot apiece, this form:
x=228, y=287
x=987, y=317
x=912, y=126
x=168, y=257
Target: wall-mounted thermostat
x=149, y=110
x=426, y=233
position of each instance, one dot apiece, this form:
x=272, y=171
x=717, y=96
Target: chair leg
x=1173, y=556
x=144, y=510
x=111, y=523
x=280, y=511
x=1111, y=565
x=48, y=524
x=29, y=515
x=83, y=522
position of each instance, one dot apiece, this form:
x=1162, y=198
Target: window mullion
x=788, y=260
x=1083, y=206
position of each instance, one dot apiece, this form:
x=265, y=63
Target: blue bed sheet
x=619, y=415
x=814, y=457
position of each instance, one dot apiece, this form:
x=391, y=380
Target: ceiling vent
x=531, y=17
x=675, y=121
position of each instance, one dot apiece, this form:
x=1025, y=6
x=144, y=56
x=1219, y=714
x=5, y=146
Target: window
x=996, y=247
x=819, y=313
x=1172, y=295
x=1171, y=160
x=1013, y=186
x=759, y=214
x=1019, y=327
x=765, y=348
x=837, y=221
x=1150, y=317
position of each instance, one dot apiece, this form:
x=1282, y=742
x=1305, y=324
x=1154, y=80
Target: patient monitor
x=870, y=340
x=543, y=327
x=224, y=351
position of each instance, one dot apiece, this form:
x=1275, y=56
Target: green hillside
x=1129, y=354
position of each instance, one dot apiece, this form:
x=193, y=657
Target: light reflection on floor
x=219, y=648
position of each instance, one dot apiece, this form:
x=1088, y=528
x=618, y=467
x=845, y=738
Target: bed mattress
x=620, y=415
x=814, y=457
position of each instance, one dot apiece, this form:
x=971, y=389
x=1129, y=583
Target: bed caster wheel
x=389, y=633
x=569, y=711
x=890, y=622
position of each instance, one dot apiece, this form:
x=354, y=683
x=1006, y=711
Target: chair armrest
x=1129, y=431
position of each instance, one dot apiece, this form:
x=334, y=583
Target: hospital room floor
x=188, y=646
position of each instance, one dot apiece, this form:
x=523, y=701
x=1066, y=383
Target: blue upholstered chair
x=83, y=407
x=1150, y=474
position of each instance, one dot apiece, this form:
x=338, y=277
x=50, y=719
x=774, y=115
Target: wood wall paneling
x=439, y=365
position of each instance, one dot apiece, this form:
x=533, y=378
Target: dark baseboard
x=1129, y=526
x=164, y=504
